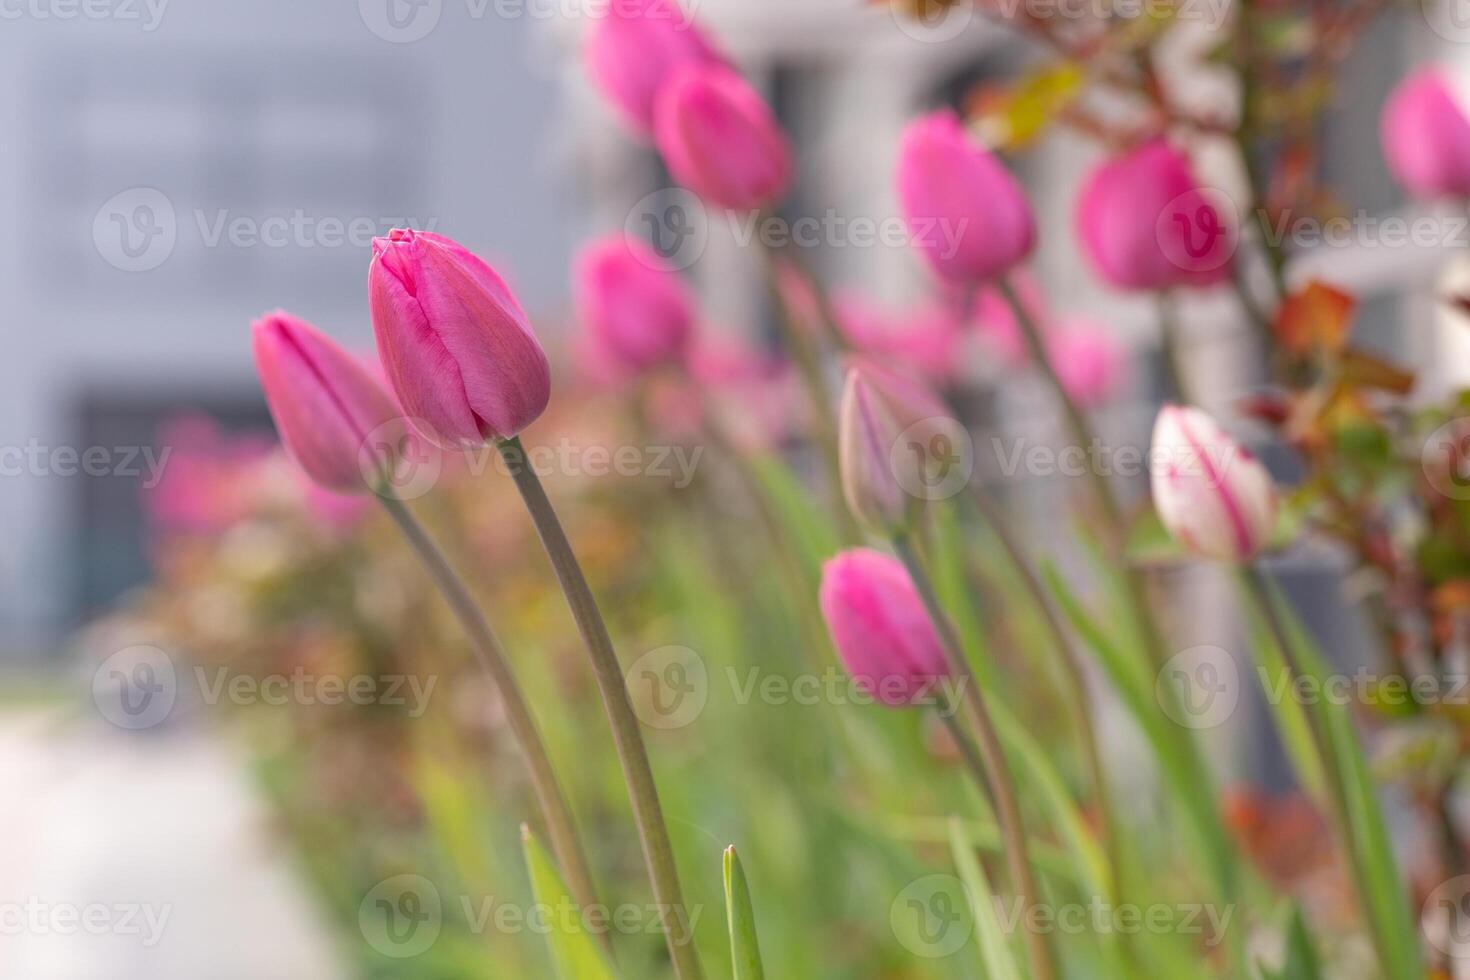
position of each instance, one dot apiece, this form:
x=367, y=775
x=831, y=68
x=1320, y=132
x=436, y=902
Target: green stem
x=1169, y=339
x=560, y=826
x=658, y=851
x=1339, y=810
x=1072, y=667
x=1076, y=420
x=992, y=763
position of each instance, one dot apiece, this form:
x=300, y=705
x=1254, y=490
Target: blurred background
x=175, y=168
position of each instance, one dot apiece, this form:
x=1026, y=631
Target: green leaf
x=1301, y=956
x=995, y=952
x=574, y=951
x=745, y=950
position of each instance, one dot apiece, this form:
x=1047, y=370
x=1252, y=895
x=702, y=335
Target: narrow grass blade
x=745, y=949
x=574, y=950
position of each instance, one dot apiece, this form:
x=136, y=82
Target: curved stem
x=658, y=851
x=992, y=761
x=560, y=826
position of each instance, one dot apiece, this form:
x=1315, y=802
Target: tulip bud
x=720, y=139
x=927, y=339
x=1426, y=137
x=631, y=50
x=1215, y=498
x=966, y=214
x=633, y=303
x=454, y=341
x=1145, y=223
x=880, y=627
x=326, y=406
x=867, y=435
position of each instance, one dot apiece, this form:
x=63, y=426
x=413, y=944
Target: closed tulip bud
x=633, y=303
x=868, y=431
x=720, y=139
x=1426, y=137
x=1089, y=359
x=1145, y=222
x=454, y=342
x=1215, y=498
x=326, y=406
x=967, y=214
x=880, y=627
x=631, y=50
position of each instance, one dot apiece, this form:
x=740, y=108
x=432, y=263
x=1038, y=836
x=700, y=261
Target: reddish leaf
x=1316, y=317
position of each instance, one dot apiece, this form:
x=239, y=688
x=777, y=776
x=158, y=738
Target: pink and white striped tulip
x=1214, y=497
x=326, y=406
x=454, y=341
x=631, y=300
x=632, y=49
x=879, y=625
x=720, y=139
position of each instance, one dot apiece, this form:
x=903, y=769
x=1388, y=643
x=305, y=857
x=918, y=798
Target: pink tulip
x=326, y=406
x=1426, y=137
x=1214, y=497
x=1088, y=358
x=880, y=627
x=205, y=488
x=720, y=139
x=456, y=344
x=926, y=340
x=633, y=303
x=1145, y=222
x=904, y=394
x=632, y=49
x=966, y=214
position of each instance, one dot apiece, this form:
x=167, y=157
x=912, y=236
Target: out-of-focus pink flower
x=798, y=294
x=1426, y=137
x=720, y=139
x=927, y=339
x=1090, y=360
x=205, y=485
x=756, y=396
x=326, y=405
x=455, y=342
x=631, y=50
x=1216, y=499
x=633, y=302
x=906, y=395
x=880, y=627
x=1146, y=223
x=336, y=511
x=996, y=320
x=967, y=214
